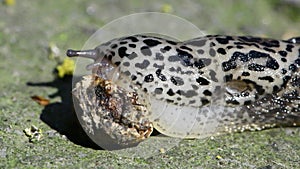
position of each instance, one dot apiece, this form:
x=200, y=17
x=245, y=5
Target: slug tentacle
x=203, y=86
x=92, y=54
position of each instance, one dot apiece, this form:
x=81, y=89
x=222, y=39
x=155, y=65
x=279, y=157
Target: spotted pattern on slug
x=186, y=73
x=253, y=83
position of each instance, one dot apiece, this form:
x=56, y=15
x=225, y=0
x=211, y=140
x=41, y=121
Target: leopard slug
x=192, y=89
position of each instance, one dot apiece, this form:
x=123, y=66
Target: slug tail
x=92, y=54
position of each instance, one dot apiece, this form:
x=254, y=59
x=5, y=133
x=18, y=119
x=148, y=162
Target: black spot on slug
x=272, y=63
x=207, y=93
x=169, y=101
x=297, y=61
x=160, y=75
x=212, y=44
x=159, y=56
x=285, y=80
x=204, y=101
x=149, y=78
x=143, y=65
x=289, y=48
x=228, y=78
x=271, y=43
x=165, y=49
x=195, y=87
x=133, y=77
x=256, y=67
x=283, y=59
x=200, y=51
x=113, y=46
x=246, y=44
x=185, y=57
x=234, y=102
x=229, y=65
x=221, y=51
x=199, y=64
x=212, y=75
x=222, y=41
x=186, y=48
x=177, y=81
x=296, y=81
x=112, y=53
x=243, y=57
x=283, y=71
x=245, y=94
x=123, y=42
x=158, y=90
x=139, y=84
x=255, y=54
x=132, y=38
x=293, y=67
x=159, y=66
x=263, y=42
x=250, y=39
x=269, y=50
x=275, y=88
x=146, y=51
x=245, y=74
x=170, y=92
x=282, y=53
x=171, y=42
x=229, y=47
x=132, y=56
x=206, y=61
x=151, y=42
x=190, y=93
x=109, y=57
x=127, y=64
x=122, y=52
x=132, y=45
x=202, y=81
x=267, y=78
x=179, y=92
x=212, y=52
x=192, y=102
x=198, y=42
x=173, y=58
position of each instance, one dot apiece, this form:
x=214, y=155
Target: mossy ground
x=28, y=27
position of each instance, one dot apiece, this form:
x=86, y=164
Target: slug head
x=101, y=66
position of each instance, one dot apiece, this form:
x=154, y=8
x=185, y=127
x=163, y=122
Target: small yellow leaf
x=66, y=68
x=9, y=2
x=167, y=8
x=40, y=100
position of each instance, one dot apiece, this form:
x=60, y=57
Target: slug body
x=207, y=85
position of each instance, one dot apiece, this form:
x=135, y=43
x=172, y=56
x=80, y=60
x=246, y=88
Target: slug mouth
x=113, y=117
